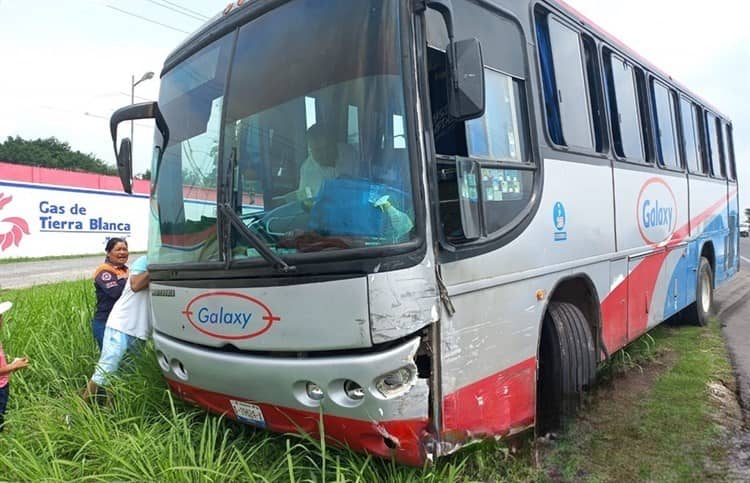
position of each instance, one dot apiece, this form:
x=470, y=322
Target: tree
x=51, y=153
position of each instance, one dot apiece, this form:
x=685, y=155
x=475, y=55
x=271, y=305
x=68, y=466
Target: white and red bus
x=429, y=220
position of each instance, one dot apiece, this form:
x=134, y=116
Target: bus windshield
x=310, y=129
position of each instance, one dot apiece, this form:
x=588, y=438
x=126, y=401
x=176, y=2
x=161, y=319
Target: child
x=128, y=325
x=6, y=369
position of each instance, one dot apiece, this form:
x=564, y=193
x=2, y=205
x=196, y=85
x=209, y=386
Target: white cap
x=5, y=306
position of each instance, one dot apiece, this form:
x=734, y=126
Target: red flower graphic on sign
x=17, y=229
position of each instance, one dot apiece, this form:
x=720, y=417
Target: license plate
x=248, y=412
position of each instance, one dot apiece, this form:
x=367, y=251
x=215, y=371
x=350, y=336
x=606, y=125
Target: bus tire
x=567, y=365
x=700, y=312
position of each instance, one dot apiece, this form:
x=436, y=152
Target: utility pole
x=148, y=75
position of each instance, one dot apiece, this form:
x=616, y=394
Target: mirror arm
x=445, y=8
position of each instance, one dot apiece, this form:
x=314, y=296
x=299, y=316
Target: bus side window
x=714, y=148
x=622, y=88
x=568, y=63
x=689, y=138
x=729, y=152
x=665, y=126
x=702, y=136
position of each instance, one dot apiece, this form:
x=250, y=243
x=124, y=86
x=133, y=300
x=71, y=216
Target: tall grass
x=51, y=433
x=662, y=434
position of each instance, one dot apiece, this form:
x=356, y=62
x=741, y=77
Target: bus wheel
x=700, y=312
x=567, y=365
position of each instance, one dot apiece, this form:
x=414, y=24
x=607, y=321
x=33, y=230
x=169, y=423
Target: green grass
x=147, y=435
x=656, y=424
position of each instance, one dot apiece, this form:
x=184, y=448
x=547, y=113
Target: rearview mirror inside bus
x=125, y=165
x=466, y=94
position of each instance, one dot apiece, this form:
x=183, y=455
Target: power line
x=196, y=17
x=107, y=118
x=205, y=17
x=145, y=99
x=147, y=19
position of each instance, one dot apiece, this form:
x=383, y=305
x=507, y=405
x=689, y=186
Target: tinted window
x=689, y=138
x=729, y=151
x=185, y=184
x=570, y=79
x=666, y=140
x=714, y=147
x=485, y=171
x=321, y=151
x=497, y=134
x=624, y=107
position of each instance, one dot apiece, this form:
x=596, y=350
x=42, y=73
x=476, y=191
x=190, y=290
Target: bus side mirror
x=124, y=155
x=466, y=91
x=125, y=165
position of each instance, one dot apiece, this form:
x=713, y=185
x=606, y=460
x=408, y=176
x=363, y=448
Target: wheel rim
x=705, y=293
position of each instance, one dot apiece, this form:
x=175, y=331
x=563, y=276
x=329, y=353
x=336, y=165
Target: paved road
x=26, y=274
x=734, y=313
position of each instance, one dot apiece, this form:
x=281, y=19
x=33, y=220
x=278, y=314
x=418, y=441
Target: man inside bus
x=324, y=161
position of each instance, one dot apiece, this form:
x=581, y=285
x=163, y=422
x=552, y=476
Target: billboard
x=46, y=212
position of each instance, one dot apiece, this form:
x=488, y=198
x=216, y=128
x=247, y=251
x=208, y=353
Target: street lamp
x=148, y=75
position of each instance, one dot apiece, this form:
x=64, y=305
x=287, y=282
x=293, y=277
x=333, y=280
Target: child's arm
x=17, y=363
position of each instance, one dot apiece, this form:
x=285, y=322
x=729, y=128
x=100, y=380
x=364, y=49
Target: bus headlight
x=395, y=382
x=314, y=391
x=353, y=390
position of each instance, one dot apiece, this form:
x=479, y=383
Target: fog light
x=314, y=391
x=394, y=382
x=163, y=361
x=354, y=390
x=178, y=369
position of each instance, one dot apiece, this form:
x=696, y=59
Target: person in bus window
x=109, y=280
x=323, y=162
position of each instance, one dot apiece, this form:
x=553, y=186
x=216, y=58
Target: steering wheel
x=285, y=218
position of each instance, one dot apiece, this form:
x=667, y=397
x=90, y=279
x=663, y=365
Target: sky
x=67, y=64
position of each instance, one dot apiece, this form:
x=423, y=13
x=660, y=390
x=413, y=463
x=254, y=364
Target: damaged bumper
x=373, y=402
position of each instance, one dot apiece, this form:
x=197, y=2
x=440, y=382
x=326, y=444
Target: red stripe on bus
x=493, y=406
x=623, y=322
x=405, y=436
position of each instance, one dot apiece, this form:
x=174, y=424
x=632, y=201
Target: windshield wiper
x=255, y=240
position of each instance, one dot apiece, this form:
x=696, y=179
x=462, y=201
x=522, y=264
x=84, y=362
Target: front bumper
x=396, y=425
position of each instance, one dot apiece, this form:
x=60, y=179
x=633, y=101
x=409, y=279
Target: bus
x=422, y=222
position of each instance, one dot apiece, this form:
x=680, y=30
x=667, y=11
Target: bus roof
x=234, y=14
